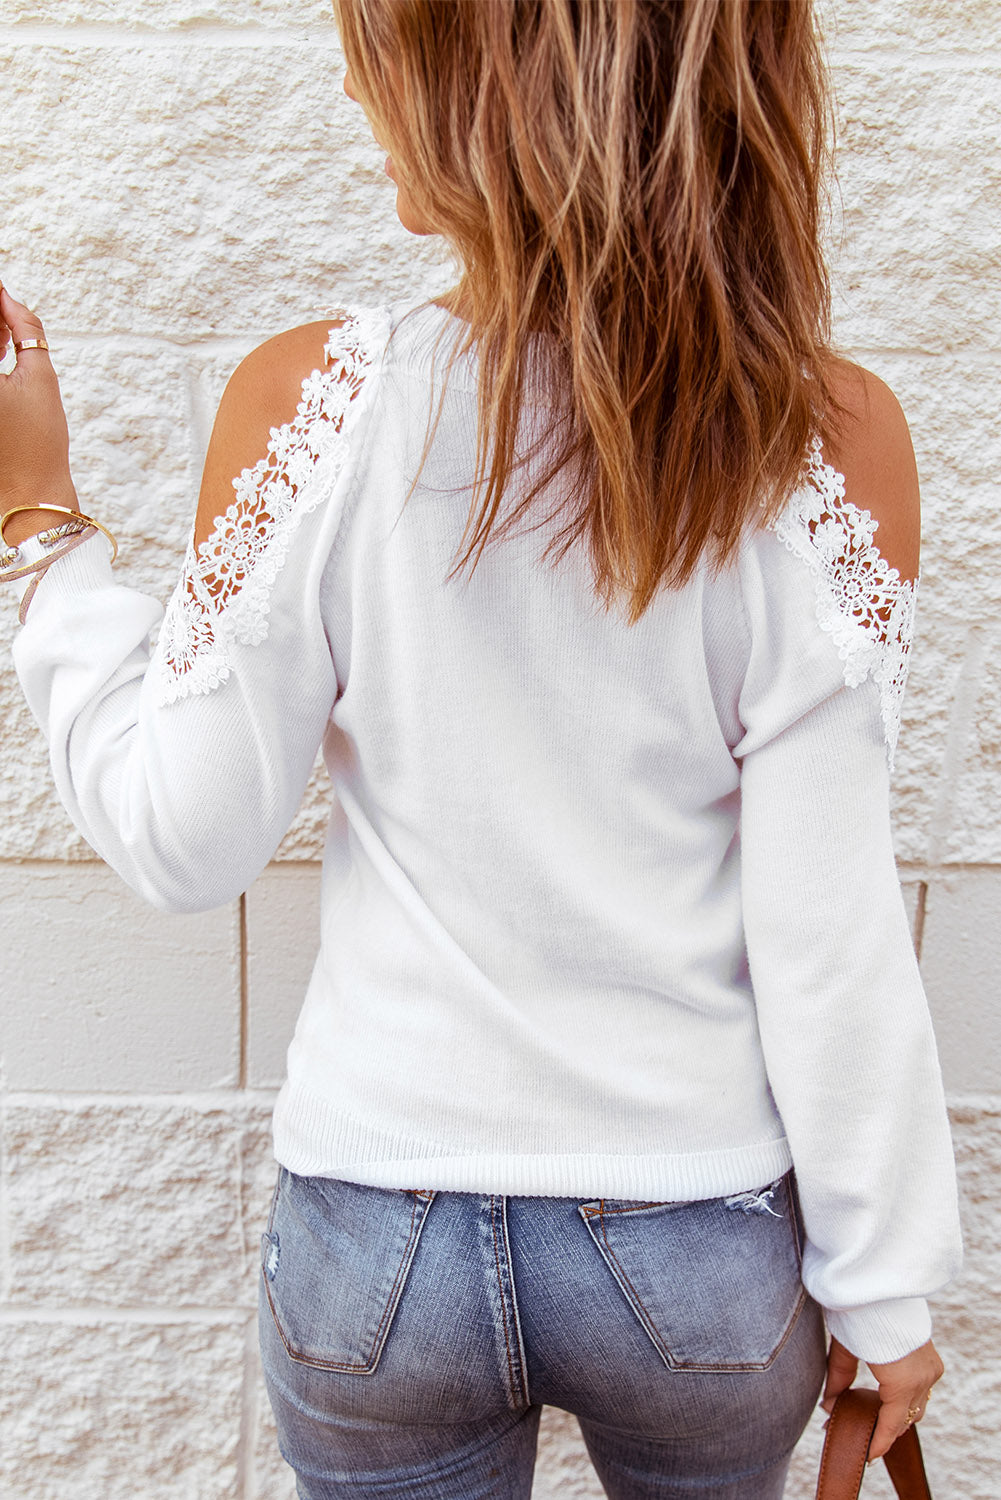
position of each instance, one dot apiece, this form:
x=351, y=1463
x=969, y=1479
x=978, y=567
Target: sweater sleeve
x=183, y=765
x=843, y=1019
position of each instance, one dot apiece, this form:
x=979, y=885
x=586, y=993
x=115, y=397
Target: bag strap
x=846, y=1446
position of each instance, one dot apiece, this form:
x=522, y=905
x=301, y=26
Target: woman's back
x=533, y=878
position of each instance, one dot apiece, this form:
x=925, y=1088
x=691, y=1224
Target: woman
x=614, y=1078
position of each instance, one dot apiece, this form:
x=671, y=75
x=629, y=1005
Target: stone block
x=917, y=788
x=969, y=1307
x=945, y=806
x=972, y=834
x=120, y=1410
x=915, y=243
x=951, y=405
x=960, y=1430
x=283, y=936
x=135, y=1205
x=33, y=822
x=132, y=461
x=225, y=188
x=960, y=963
x=950, y=408
x=118, y=996
x=306, y=833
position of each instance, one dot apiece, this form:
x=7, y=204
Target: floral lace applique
x=863, y=603
x=222, y=596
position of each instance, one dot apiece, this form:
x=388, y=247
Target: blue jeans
x=410, y=1339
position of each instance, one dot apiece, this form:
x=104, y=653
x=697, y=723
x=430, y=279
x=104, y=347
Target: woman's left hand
x=904, y=1387
x=34, y=438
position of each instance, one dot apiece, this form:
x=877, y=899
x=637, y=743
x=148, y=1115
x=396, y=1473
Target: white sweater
x=607, y=911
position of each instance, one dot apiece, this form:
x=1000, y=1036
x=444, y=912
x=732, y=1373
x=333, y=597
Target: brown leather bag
x=849, y=1433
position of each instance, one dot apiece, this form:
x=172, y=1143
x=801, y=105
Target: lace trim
x=223, y=594
x=863, y=603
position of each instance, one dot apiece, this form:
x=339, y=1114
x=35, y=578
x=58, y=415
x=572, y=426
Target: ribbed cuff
x=86, y=567
x=882, y=1331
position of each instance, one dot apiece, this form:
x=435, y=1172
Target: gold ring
x=20, y=344
x=913, y=1413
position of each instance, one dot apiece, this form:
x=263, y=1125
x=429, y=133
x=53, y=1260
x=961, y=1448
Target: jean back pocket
x=335, y=1259
x=715, y=1283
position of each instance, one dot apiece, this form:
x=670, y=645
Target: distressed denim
x=410, y=1339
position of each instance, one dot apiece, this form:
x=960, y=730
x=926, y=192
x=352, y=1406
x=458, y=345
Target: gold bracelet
x=62, y=509
x=12, y=574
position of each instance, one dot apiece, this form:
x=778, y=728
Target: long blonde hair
x=640, y=182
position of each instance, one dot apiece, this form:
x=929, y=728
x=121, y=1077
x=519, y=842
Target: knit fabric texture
x=607, y=910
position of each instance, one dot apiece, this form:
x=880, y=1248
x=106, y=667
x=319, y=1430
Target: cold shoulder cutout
x=222, y=596
x=862, y=601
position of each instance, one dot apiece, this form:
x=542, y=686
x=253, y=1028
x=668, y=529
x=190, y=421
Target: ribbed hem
x=87, y=567
x=881, y=1332
x=313, y=1139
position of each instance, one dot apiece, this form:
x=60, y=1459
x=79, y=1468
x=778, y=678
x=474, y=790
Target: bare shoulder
x=264, y=391
x=871, y=446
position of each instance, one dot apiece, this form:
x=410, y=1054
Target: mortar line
x=926, y=869
x=87, y=1313
x=919, y=919
x=199, y=431
x=936, y=59
x=82, y=864
x=988, y=353
x=204, y=1100
x=119, y=38
x=6, y=1268
x=983, y=1102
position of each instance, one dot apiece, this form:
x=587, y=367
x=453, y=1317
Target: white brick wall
x=183, y=178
